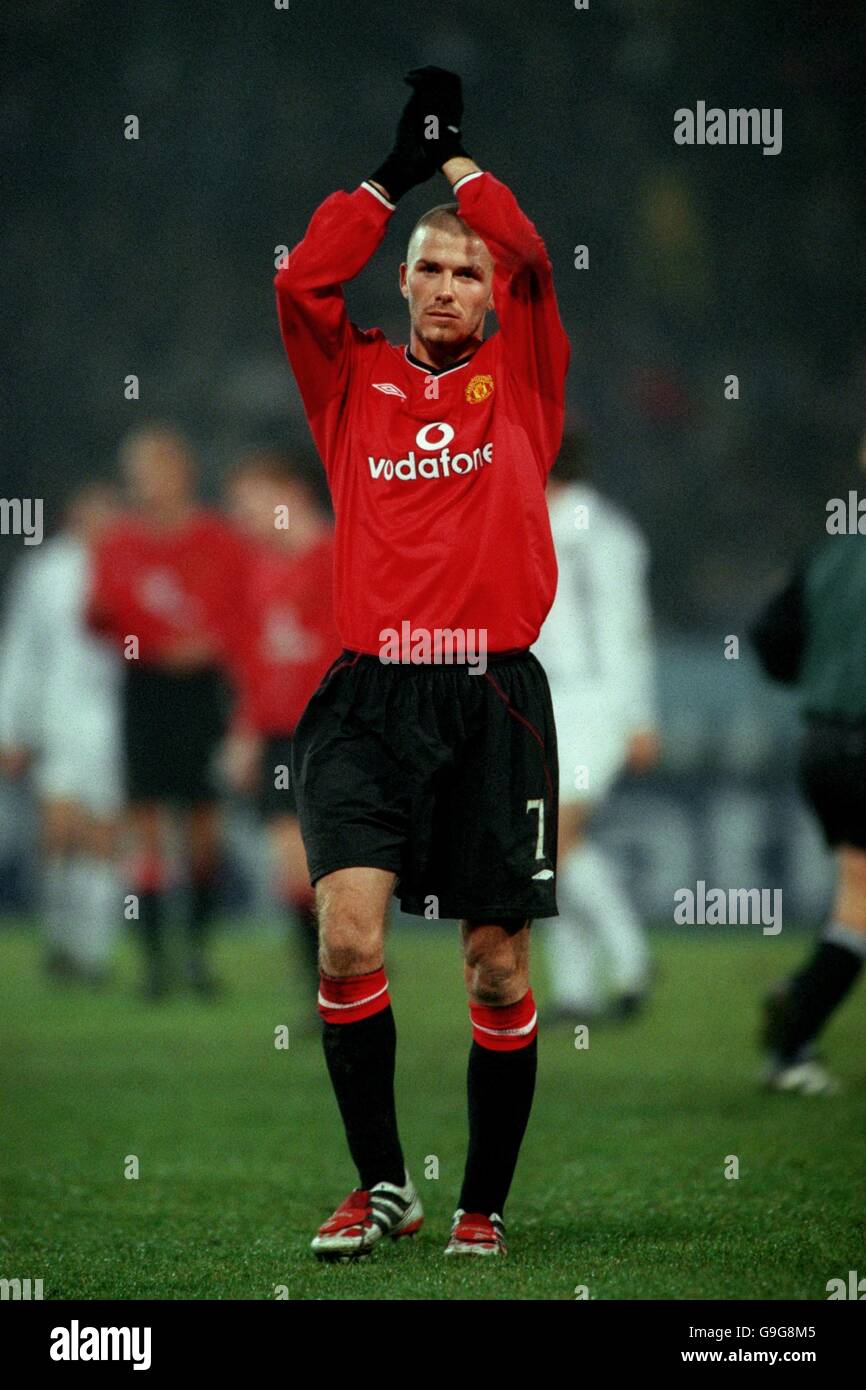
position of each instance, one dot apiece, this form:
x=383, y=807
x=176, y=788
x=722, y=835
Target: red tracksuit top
x=287, y=635
x=441, y=517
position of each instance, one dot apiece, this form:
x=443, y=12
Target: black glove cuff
x=394, y=176
x=448, y=146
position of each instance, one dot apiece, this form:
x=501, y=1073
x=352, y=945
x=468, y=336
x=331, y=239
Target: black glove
x=416, y=156
x=409, y=162
x=439, y=94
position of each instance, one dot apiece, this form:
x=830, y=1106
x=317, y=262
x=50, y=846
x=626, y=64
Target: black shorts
x=172, y=726
x=276, y=785
x=446, y=778
x=833, y=776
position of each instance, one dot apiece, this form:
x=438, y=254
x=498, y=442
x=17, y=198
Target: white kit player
x=596, y=647
x=59, y=714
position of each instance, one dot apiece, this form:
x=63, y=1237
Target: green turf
x=620, y=1187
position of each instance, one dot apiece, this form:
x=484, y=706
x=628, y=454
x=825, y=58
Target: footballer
x=164, y=589
x=287, y=639
x=812, y=636
x=597, y=649
x=428, y=778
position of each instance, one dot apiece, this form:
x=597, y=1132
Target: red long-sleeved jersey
x=167, y=587
x=287, y=635
x=440, y=511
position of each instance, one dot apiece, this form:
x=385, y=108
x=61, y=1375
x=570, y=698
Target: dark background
x=155, y=256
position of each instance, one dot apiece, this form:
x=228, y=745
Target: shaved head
x=445, y=218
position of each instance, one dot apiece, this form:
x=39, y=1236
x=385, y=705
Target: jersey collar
x=436, y=371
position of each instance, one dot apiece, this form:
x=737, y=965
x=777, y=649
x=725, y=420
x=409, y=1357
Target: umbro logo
x=389, y=389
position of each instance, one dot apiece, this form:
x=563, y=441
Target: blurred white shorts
x=80, y=770
x=592, y=750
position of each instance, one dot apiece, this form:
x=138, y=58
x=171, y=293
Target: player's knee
x=204, y=861
x=851, y=888
x=350, y=941
x=55, y=843
x=342, y=953
x=853, y=863
x=61, y=829
x=494, y=977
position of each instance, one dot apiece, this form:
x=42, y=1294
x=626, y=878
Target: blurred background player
x=165, y=590
x=596, y=647
x=287, y=641
x=59, y=711
x=813, y=635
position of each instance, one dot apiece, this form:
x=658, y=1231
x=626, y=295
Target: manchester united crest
x=478, y=389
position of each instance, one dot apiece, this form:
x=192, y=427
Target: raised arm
x=317, y=335
x=342, y=236
x=523, y=295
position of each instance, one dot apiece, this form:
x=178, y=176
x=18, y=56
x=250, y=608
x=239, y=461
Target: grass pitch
x=621, y=1185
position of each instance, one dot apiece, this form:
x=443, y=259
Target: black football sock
x=150, y=923
x=500, y=1088
x=817, y=990
x=202, y=903
x=361, y=1058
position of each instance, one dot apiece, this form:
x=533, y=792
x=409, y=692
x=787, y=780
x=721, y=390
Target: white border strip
x=356, y=1004
x=508, y=1032
x=376, y=194
x=476, y=174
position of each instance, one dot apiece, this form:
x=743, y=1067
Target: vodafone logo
x=424, y=438
x=433, y=459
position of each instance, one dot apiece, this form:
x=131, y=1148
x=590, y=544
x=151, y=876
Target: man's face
x=256, y=504
x=158, y=472
x=447, y=281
